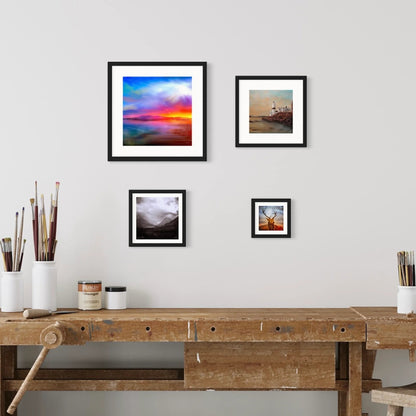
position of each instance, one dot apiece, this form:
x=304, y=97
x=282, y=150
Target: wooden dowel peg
x=30, y=376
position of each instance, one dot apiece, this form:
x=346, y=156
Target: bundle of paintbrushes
x=406, y=264
x=44, y=239
x=13, y=252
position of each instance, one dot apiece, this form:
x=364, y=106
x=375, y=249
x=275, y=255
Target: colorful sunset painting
x=271, y=218
x=157, y=111
x=271, y=111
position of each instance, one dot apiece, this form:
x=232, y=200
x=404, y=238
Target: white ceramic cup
x=12, y=291
x=406, y=299
x=44, y=285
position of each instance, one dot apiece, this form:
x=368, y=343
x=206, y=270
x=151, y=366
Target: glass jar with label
x=89, y=295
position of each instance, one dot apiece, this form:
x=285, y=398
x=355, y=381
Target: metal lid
x=115, y=288
x=89, y=282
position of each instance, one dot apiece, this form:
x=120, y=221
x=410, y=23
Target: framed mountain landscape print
x=157, y=218
x=270, y=217
x=270, y=111
x=156, y=111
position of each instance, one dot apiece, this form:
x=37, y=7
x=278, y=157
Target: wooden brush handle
x=35, y=313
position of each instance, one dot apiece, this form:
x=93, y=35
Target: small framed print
x=270, y=218
x=157, y=111
x=157, y=218
x=270, y=111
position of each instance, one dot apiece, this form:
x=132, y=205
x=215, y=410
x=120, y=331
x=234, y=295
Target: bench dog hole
x=278, y=328
x=147, y=328
x=342, y=329
x=83, y=328
x=213, y=329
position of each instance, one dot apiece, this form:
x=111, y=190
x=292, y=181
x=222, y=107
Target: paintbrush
x=3, y=249
x=32, y=201
x=19, y=245
x=36, y=236
x=54, y=248
x=43, y=225
x=10, y=253
x=21, y=255
x=9, y=259
x=399, y=269
x=406, y=263
x=51, y=226
x=55, y=219
x=15, y=243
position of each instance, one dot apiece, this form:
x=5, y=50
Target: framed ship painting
x=270, y=111
x=157, y=218
x=270, y=218
x=156, y=111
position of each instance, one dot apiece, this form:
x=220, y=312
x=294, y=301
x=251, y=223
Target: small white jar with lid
x=115, y=297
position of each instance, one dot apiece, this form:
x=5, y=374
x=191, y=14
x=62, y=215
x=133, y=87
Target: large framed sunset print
x=156, y=111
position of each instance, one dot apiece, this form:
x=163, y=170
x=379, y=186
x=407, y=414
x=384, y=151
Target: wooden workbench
x=224, y=349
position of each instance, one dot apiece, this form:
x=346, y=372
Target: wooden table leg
x=343, y=375
x=354, y=406
x=394, y=410
x=369, y=359
x=8, y=363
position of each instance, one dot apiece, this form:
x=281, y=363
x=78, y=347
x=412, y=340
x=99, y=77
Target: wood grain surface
x=191, y=325
x=260, y=365
x=387, y=329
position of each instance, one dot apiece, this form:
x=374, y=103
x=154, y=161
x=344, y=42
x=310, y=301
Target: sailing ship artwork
x=271, y=111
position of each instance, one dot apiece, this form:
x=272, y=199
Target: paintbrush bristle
x=57, y=190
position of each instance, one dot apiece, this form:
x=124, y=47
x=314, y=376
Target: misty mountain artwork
x=157, y=218
x=157, y=111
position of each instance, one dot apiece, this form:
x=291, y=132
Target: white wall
x=352, y=188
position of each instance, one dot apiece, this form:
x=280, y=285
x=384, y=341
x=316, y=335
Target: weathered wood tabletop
x=190, y=325
x=224, y=349
x=386, y=329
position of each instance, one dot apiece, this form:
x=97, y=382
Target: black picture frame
x=285, y=203
x=298, y=136
x=167, y=219
x=196, y=152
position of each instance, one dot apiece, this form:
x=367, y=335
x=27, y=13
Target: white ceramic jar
x=12, y=291
x=44, y=285
x=115, y=297
x=406, y=299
